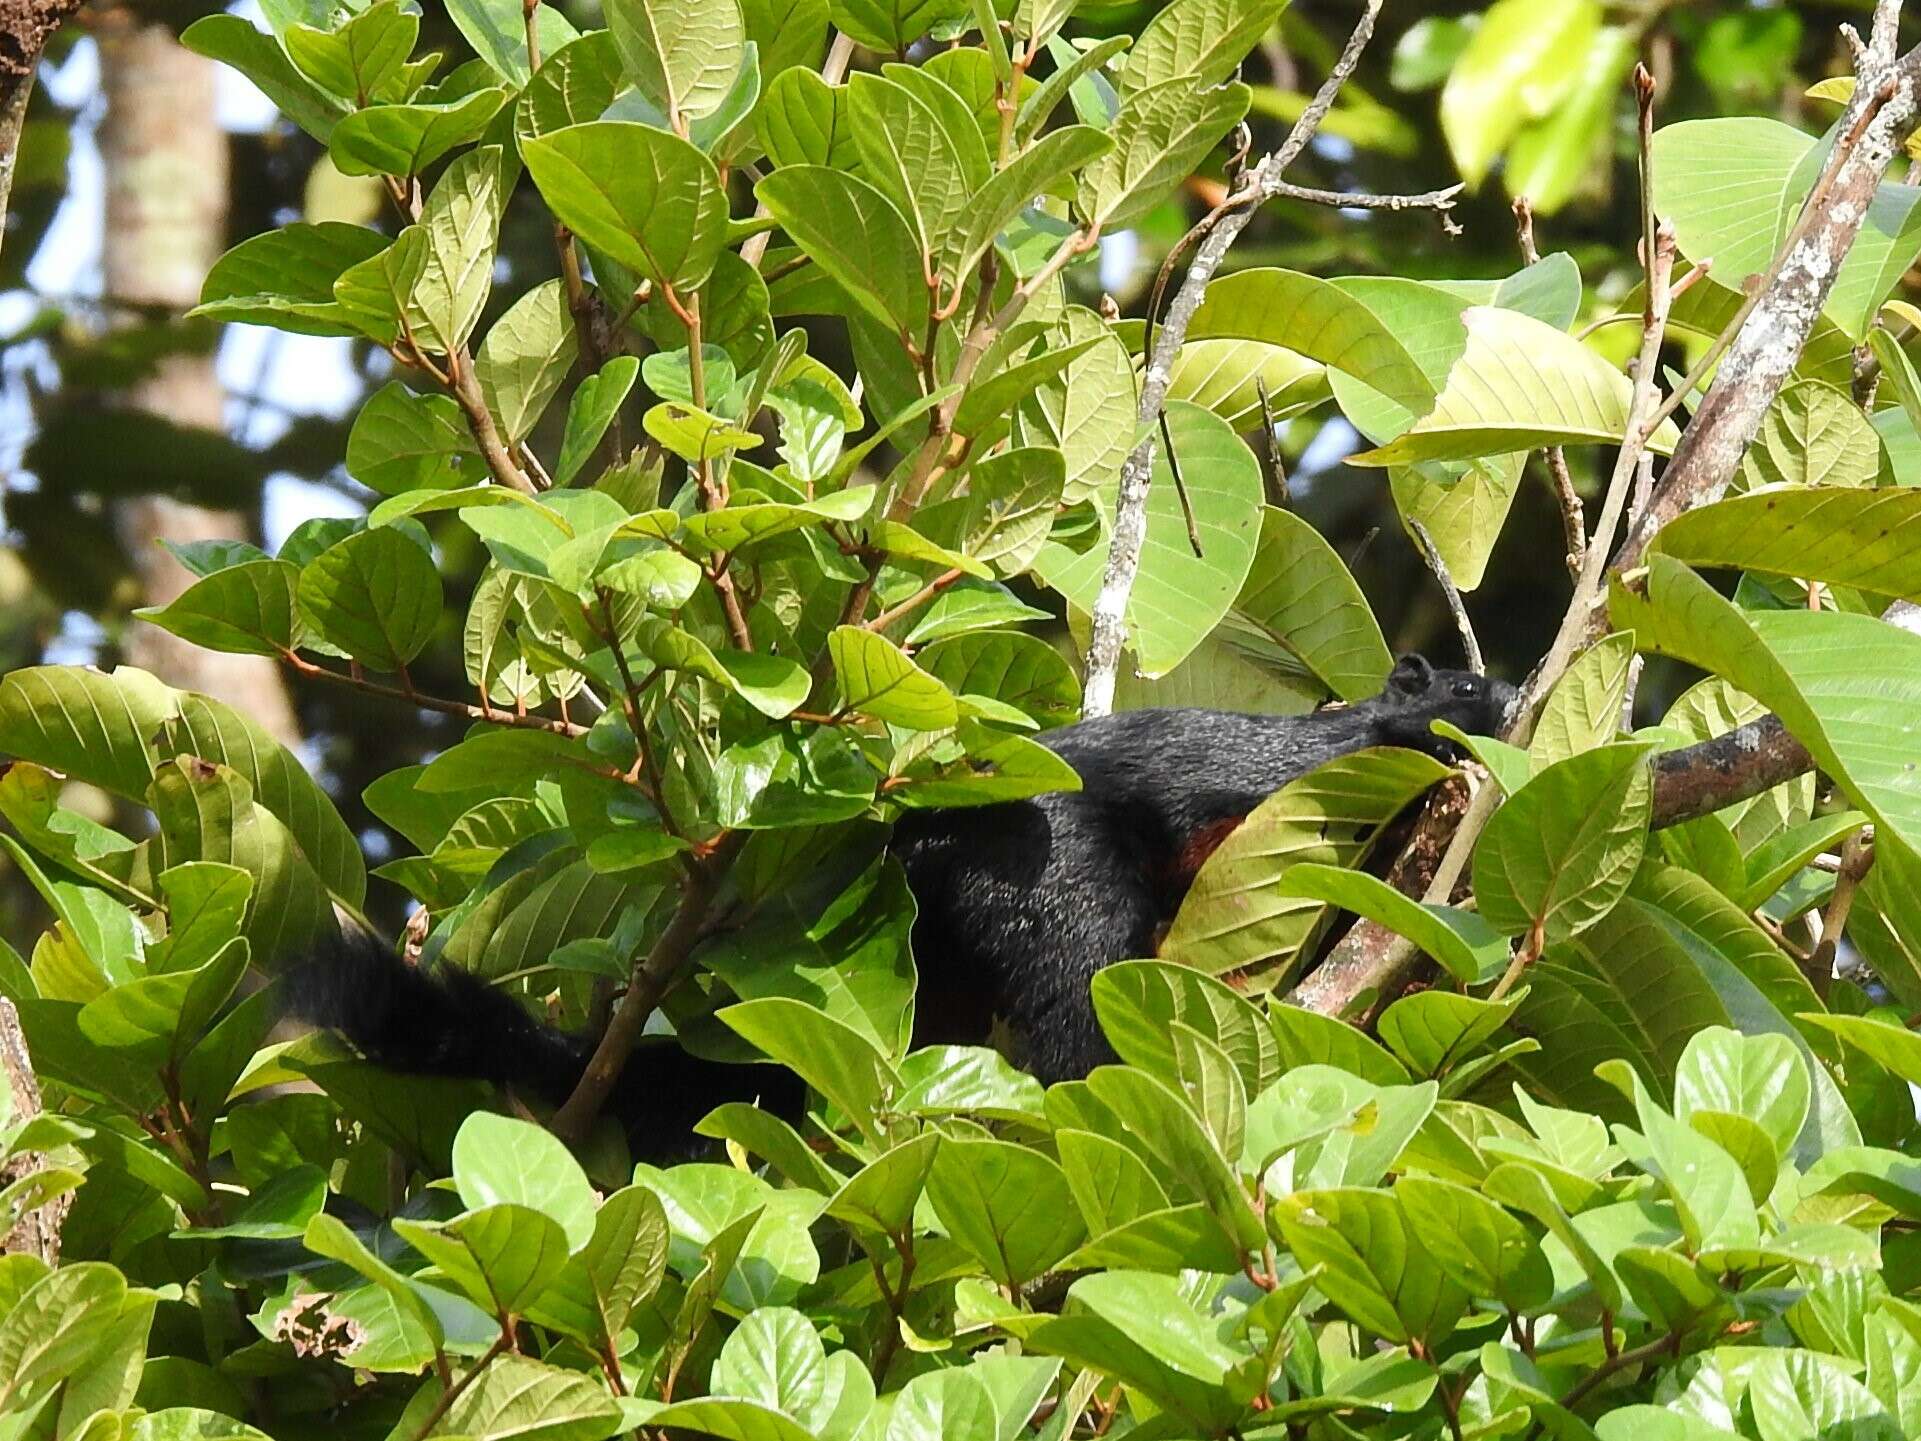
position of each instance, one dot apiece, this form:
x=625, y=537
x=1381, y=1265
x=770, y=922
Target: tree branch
x=1789, y=300
x=23, y=36
x=1470, y=643
x=1372, y=963
x=421, y=701
x=653, y=974
x=1221, y=227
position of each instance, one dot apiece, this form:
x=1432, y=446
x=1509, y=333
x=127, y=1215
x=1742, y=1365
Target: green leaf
x=1375, y=1266
x=878, y=679
x=376, y=595
x=1762, y=1078
x=402, y=441
x=804, y=121
x=377, y=293
x=880, y=1198
x=207, y=729
x=831, y=1056
x=1307, y=1038
x=497, y=30
x=461, y=221
x=502, y=1256
x=1177, y=597
x=1143, y=1330
x=1004, y=519
x=519, y=1399
x=285, y=278
x=891, y=26
x=576, y=83
x=207, y=813
x=1160, y=137
x=497, y=1158
x=1463, y=504
x=356, y=61
x=249, y=609
x=947, y=1405
x=88, y=726
x=1329, y=324
x=233, y=40
x=1299, y=597
x=1138, y=1003
x=1841, y=683
x=1561, y=850
x=1233, y=916
x=681, y=54
x=997, y=766
x=1862, y=538
x=596, y=402
x=1553, y=160
x=1464, y=944
x=857, y=235
x=909, y=154
x=1035, y=171
x=1761, y=172
x=1200, y=40
x=1519, y=384
x=1040, y=105
x=734, y=526
x=772, y=685
x=646, y=198
x=1008, y=1205
x=1813, y=434
x=51, y=1330
x=1517, y=67
x=1584, y=708
x=1479, y=1246
x=398, y=139
x=526, y=357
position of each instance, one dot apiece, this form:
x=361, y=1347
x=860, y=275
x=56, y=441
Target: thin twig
x=467, y=1378
x=1220, y=229
x=653, y=975
x=422, y=701
x=1573, y=514
x=1277, y=495
x=1431, y=553
x=1857, y=858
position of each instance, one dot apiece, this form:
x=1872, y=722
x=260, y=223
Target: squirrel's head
x=1417, y=694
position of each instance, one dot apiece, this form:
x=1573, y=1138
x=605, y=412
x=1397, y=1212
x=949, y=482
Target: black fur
x=1021, y=903
x=448, y=1022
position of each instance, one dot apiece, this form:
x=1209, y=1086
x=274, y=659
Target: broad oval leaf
x=1561, y=850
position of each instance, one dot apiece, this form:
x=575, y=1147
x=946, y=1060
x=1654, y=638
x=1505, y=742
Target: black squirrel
x=1019, y=904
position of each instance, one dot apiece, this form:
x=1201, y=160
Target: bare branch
x=1789, y=300
x=25, y=29
x=1470, y=644
x=1220, y=228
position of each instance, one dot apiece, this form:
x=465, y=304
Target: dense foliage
x=1634, y=1166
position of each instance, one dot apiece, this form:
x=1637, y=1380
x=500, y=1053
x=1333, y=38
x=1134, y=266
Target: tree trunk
x=37, y=1233
x=165, y=157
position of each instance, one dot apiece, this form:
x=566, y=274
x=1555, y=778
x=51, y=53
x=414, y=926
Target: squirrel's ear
x=1412, y=675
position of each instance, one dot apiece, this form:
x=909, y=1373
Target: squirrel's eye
x=1467, y=687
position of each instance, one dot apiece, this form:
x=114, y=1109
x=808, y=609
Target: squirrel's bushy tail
x=439, y=1022
x=446, y=1022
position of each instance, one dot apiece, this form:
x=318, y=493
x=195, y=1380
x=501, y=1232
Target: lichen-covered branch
x=1220, y=229
x=1763, y=352
x=25, y=28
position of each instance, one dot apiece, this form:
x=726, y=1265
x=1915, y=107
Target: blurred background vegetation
x=122, y=423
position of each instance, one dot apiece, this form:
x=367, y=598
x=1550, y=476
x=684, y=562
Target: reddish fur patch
x=1203, y=843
